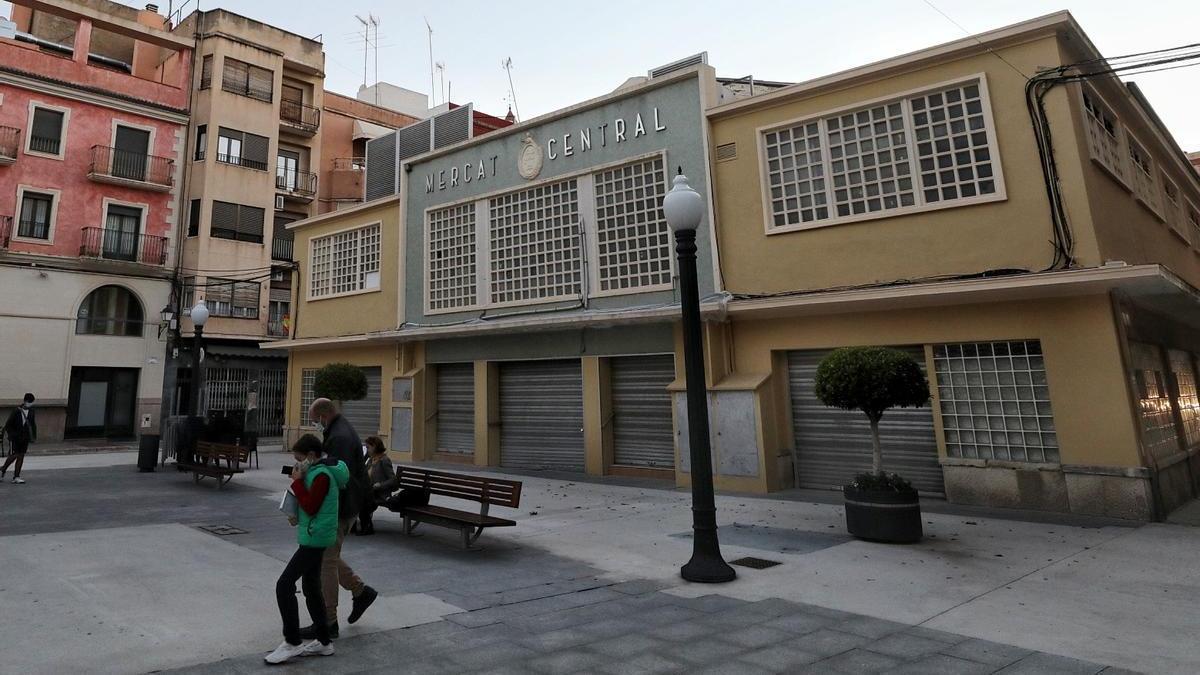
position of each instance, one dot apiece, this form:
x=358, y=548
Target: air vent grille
x=726, y=152
x=681, y=64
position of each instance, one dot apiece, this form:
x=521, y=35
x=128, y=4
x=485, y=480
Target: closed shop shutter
x=833, y=445
x=541, y=415
x=641, y=405
x=364, y=414
x=456, y=408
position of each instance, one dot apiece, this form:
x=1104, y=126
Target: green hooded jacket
x=320, y=531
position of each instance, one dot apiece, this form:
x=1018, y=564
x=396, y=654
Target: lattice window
x=1159, y=434
x=308, y=378
x=535, y=253
x=1104, y=136
x=1144, y=185
x=953, y=144
x=345, y=262
x=869, y=161
x=632, y=237
x=995, y=401
x=796, y=172
x=1189, y=402
x=452, y=257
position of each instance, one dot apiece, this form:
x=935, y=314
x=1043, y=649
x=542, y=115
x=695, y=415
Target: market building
x=93, y=119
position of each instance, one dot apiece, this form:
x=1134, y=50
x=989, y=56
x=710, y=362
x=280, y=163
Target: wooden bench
x=485, y=491
x=215, y=460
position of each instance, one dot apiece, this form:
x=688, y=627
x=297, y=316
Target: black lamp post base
x=707, y=570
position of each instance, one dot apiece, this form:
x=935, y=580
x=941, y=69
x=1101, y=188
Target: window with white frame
x=308, y=379
x=1145, y=187
x=452, y=257
x=633, y=242
x=1104, y=136
x=236, y=299
x=534, y=252
x=995, y=401
x=345, y=262
x=913, y=152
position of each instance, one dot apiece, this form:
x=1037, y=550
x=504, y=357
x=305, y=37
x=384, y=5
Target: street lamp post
x=683, y=208
x=199, y=316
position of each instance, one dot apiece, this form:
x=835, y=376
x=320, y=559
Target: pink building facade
x=93, y=119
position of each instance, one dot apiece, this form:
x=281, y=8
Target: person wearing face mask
x=21, y=429
x=341, y=442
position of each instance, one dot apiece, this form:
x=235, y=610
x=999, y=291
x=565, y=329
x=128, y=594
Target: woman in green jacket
x=316, y=482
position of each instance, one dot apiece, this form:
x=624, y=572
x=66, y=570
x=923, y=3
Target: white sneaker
x=284, y=652
x=315, y=648
x=18, y=481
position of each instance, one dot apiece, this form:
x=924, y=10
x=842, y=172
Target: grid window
x=1159, y=434
x=346, y=262
x=952, y=144
x=869, y=161
x=1189, y=402
x=632, y=237
x=796, y=172
x=308, y=378
x=1144, y=186
x=534, y=241
x=995, y=401
x=1104, y=140
x=452, y=277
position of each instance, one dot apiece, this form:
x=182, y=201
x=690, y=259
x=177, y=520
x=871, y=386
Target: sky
x=566, y=52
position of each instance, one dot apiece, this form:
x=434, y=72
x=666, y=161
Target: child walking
x=316, y=482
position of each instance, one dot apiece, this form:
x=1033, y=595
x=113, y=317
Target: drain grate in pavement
x=755, y=563
x=222, y=530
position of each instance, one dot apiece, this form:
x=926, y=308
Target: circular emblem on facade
x=529, y=161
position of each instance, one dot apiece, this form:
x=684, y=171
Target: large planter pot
x=888, y=517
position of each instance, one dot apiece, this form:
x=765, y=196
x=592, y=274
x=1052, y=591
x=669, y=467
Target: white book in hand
x=289, y=505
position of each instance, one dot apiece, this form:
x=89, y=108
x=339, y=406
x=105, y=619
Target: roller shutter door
x=541, y=415
x=641, y=404
x=456, y=408
x=832, y=445
x=364, y=414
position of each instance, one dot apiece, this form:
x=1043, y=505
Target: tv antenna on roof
x=512, y=92
x=441, y=69
x=367, y=24
x=432, y=92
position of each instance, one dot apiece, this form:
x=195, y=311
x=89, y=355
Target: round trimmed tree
x=872, y=380
x=340, y=382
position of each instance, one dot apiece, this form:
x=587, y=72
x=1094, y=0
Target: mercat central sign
x=531, y=158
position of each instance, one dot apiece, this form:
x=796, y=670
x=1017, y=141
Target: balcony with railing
x=346, y=180
x=45, y=145
x=298, y=185
x=240, y=160
x=298, y=118
x=6, y=223
x=10, y=138
x=107, y=244
x=282, y=248
x=122, y=167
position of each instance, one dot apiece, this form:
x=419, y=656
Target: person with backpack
x=316, y=483
x=21, y=429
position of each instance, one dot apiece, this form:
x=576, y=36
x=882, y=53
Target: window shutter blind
x=255, y=149
x=206, y=72
x=236, y=75
x=250, y=224
x=245, y=294
x=261, y=83
x=224, y=220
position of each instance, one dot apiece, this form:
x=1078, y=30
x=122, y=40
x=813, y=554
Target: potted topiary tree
x=880, y=506
x=340, y=382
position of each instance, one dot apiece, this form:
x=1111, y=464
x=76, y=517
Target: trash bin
x=148, y=452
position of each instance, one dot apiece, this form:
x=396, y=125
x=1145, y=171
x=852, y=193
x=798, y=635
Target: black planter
x=888, y=517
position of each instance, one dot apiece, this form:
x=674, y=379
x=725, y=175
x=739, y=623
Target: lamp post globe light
x=199, y=315
x=683, y=208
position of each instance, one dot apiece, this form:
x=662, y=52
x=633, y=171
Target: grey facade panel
x=618, y=341
x=381, y=167
x=641, y=408
x=456, y=408
x=833, y=445
x=364, y=415
x=541, y=415
x=413, y=140
x=452, y=127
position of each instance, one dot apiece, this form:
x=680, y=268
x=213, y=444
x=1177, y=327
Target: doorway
x=102, y=402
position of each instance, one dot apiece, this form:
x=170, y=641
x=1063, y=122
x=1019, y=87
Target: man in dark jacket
x=342, y=442
x=21, y=429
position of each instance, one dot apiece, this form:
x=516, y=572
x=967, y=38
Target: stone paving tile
x=870, y=627
x=756, y=636
x=940, y=664
x=1119, y=671
x=711, y=603
x=781, y=658
x=732, y=668
x=1044, y=664
x=826, y=642
x=643, y=664
x=566, y=662
x=639, y=587
x=800, y=623
x=625, y=645
x=680, y=631
x=933, y=634
x=905, y=645
x=984, y=651
x=558, y=639
x=858, y=661
x=491, y=655
x=701, y=652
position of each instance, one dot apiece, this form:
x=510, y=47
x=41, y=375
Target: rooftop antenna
x=441, y=68
x=366, y=44
x=512, y=92
x=432, y=93
x=375, y=22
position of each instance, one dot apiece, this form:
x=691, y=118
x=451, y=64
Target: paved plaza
x=108, y=570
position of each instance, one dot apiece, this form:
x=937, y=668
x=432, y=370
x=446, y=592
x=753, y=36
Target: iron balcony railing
x=242, y=161
x=254, y=91
x=100, y=242
x=33, y=229
x=281, y=249
x=9, y=140
x=296, y=182
x=5, y=231
x=350, y=164
x=45, y=144
x=113, y=163
x=298, y=115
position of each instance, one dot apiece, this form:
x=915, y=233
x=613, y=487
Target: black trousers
x=364, y=514
x=305, y=565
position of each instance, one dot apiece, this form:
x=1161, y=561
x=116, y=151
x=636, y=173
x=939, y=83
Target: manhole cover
x=222, y=530
x=755, y=563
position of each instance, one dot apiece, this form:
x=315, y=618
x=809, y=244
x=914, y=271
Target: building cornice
x=101, y=97
x=340, y=213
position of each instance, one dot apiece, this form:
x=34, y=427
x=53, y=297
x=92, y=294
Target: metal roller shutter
x=456, y=408
x=541, y=415
x=381, y=167
x=364, y=414
x=832, y=445
x=641, y=405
